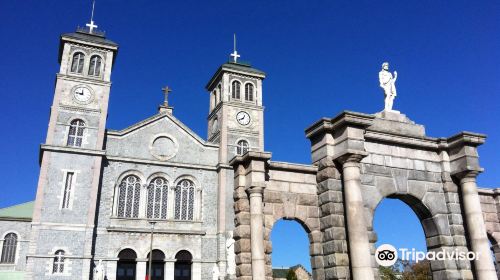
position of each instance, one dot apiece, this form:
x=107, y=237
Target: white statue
x=387, y=83
x=215, y=272
x=230, y=255
x=99, y=271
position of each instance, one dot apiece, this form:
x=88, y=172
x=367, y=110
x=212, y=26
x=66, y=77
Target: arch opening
x=289, y=249
x=127, y=265
x=405, y=223
x=495, y=252
x=157, y=265
x=183, y=265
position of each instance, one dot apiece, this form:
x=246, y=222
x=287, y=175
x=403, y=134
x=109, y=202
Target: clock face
x=243, y=118
x=82, y=94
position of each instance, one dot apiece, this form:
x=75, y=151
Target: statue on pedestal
x=99, y=271
x=387, y=83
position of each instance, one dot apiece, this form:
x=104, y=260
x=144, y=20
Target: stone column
x=196, y=270
x=256, y=232
x=110, y=271
x=359, y=245
x=476, y=229
x=141, y=269
x=169, y=269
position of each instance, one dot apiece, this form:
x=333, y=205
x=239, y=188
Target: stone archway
x=358, y=160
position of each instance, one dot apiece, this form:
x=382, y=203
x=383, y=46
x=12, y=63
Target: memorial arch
x=358, y=160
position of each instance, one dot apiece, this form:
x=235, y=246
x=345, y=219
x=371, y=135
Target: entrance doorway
x=183, y=263
x=157, y=266
x=126, y=269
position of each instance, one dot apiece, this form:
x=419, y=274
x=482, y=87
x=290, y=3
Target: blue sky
x=321, y=57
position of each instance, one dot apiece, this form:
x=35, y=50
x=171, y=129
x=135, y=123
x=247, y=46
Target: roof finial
x=235, y=54
x=91, y=25
x=166, y=90
x=165, y=107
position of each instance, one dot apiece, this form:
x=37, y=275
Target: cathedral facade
x=102, y=191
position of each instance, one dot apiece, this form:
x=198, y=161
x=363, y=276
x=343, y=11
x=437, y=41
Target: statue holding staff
x=387, y=83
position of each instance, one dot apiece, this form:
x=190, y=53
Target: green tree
x=290, y=275
x=418, y=271
x=387, y=273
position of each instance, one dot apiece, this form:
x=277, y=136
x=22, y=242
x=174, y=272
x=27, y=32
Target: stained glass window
x=9, y=248
x=235, y=89
x=242, y=147
x=95, y=65
x=129, y=195
x=184, y=200
x=157, y=199
x=249, y=92
x=77, y=63
x=58, y=266
x=75, y=135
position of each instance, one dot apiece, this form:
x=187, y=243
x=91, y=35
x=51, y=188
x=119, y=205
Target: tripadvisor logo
x=387, y=255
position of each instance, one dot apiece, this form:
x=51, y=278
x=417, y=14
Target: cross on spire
x=91, y=25
x=166, y=90
x=235, y=54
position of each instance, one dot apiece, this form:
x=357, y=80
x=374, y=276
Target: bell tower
x=72, y=155
x=236, y=124
x=236, y=113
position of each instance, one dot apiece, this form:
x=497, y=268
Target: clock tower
x=236, y=124
x=73, y=154
x=235, y=119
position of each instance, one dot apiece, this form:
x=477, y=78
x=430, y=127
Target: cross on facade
x=166, y=90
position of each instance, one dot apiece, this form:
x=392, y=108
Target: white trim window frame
x=68, y=187
x=59, y=261
x=157, y=198
x=9, y=255
x=185, y=200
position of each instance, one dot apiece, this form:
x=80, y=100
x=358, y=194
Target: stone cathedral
x=211, y=203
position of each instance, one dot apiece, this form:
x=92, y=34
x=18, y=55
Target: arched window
x=157, y=265
x=184, y=200
x=219, y=94
x=249, y=92
x=129, y=195
x=77, y=63
x=183, y=261
x=157, y=199
x=75, y=135
x=9, y=248
x=126, y=267
x=95, y=65
x=235, y=90
x=58, y=265
x=241, y=147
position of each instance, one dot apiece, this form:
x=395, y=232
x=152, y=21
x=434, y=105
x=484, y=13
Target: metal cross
x=235, y=54
x=166, y=90
x=91, y=25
